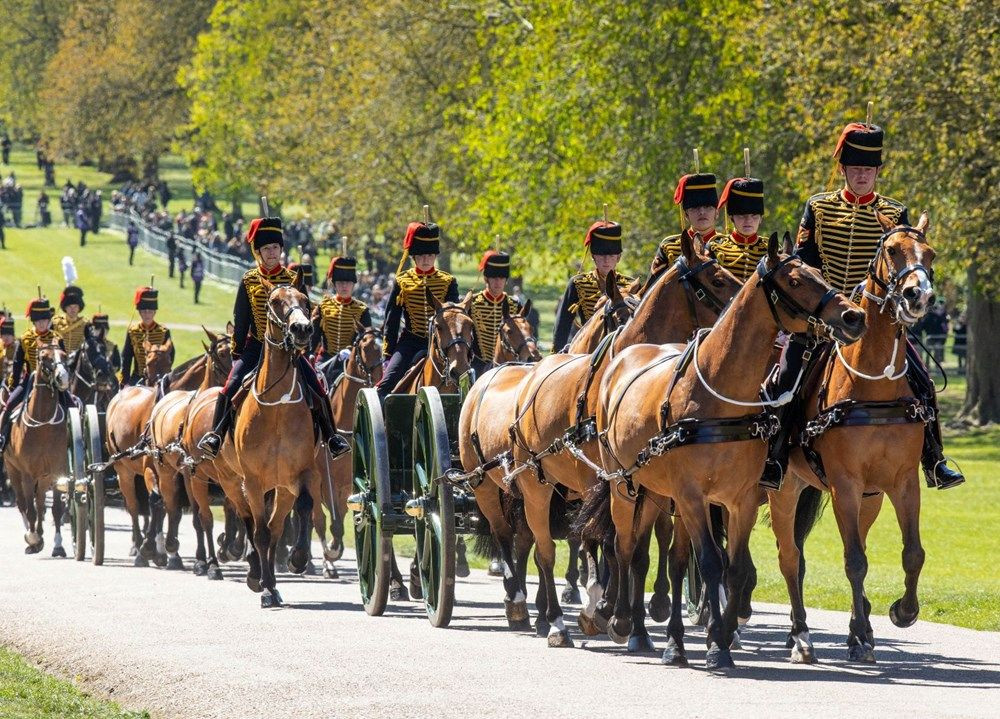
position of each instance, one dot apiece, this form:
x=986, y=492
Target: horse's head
x=452, y=337
x=366, y=354
x=219, y=351
x=94, y=354
x=703, y=288
x=288, y=322
x=901, y=270
x=801, y=301
x=51, y=370
x=617, y=306
x=516, y=336
x=158, y=360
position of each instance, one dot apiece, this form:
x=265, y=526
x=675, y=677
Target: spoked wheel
x=95, y=487
x=76, y=456
x=371, y=501
x=433, y=507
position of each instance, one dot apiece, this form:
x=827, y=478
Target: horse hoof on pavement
x=640, y=644
x=61, y=552
x=160, y=560
x=310, y=569
x=802, y=653
x=542, y=627
x=659, y=608
x=147, y=550
x=570, y=595
x=33, y=549
x=214, y=574
x=495, y=569
x=330, y=572
x=601, y=619
x=619, y=628
x=297, y=561
x=200, y=568
x=515, y=611
x=587, y=625
x=736, y=644
x=270, y=599
x=674, y=655
x=900, y=618
x=862, y=653
x=223, y=556
x=175, y=563
x=398, y=593
x=559, y=638
x=134, y=551
x=254, y=583
x=140, y=561
x=718, y=658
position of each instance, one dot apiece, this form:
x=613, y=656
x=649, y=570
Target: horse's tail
x=593, y=521
x=807, y=512
x=561, y=514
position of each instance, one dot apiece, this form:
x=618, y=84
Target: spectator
x=44, y=216
x=5, y=148
x=3, y=239
x=16, y=203
x=197, y=274
x=132, y=237
x=171, y=253
x=961, y=331
x=182, y=264
x=82, y=224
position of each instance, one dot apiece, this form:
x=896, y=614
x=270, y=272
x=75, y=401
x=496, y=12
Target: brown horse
x=863, y=389
x=678, y=428
x=274, y=448
x=126, y=421
x=36, y=456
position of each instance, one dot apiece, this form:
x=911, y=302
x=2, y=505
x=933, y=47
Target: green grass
x=28, y=693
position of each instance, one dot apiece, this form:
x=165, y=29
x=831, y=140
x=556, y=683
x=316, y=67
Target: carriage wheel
x=76, y=456
x=373, y=543
x=434, y=505
x=95, y=487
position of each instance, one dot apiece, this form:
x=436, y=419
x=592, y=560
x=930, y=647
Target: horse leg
x=638, y=640
x=30, y=514
x=623, y=513
x=58, y=508
x=742, y=517
x=678, y=558
x=397, y=590
x=204, y=512
x=283, y=502
x=659, y=603
x=172, y=503
x=502, y=539
x=792, y=563
x=870, y=508
x=847, y=510
x=536, y=508
x=571, y=593
x=298, y=558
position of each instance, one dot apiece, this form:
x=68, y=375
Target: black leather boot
x=336, y=444
x=211, y=443
x=936, y=470
x=776, y=463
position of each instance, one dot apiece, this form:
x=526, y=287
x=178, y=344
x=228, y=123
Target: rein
x=287, y=345
x=436, y=351
x=356, y=354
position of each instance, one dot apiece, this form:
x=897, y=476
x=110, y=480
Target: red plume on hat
x=724, y=198
x=679, y=192
x=252, y=230
x=411, y=231
x=486, y=258
x=851, y=127
x=138, y=294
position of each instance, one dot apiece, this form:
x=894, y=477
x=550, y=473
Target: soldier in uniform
x=250, y=319
x=336, y=318
x=7, y=344
x=487, y=307
x=100, y=325
x=408, y=305
x=146, y=301
x=839, y=234
x=604, y=240
x=70, y=325
x=22, y=376
x=699, y=198
x=739, y=251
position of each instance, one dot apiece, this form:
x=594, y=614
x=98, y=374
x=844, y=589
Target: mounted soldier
x=840, y=234
x=100, y=325
x=741, y=249
x=698, y=198
x=337, y=317
x=139, y=336
x=250, y=314
x=487, y=309
x=604, y=242
x=409, y=308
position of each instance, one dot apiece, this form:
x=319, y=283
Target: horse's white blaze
x=62, y=377
x=558, y=627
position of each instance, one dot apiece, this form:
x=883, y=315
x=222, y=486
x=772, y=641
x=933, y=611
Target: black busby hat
x=146, y=298
x=39, y=309
x=100, y=321
x=604, y=238
x=743, y=196
x=265, y=231
x=422, y=238
x=697, y=190
x=495, y=264
x=860, y=144
x=343, y=269
x=6, y=325
x=72, y=295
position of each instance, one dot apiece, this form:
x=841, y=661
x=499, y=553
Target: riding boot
x=937, y=473
x=324, y=420
x=5, y=423
x=211, y=443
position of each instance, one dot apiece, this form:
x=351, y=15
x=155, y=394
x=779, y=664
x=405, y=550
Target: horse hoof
x=398, y=593
x=215, y=574
x=147, y=551
x=559, y=638
x=673, y=655
x=223, y=556
x=516, y=611
x=570, y=595
x=619, y=629
x=495, y=569
x=736, y=644
x=718, y=658
x=61, y=552
x=519, y=625
x=601, y=620
x=659, y=608
x=640, y=644
x=200, y=568
x=134, y=551
x=542, y=627
x=416, y=591
x=297, y=561
x=32, y=549
x=862, y=653
x=140, y=561
x=900, y=618
x=160, y=560
x=269, y=599
x=587, y=625
x=331, y=572
x=175, y=563
x=254, y=583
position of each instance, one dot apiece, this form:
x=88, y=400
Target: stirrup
x=210, y=444
x=942, y=476
x=339, y=448
x=767, y=479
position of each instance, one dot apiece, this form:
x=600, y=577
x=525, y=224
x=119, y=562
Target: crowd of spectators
x=934, y=330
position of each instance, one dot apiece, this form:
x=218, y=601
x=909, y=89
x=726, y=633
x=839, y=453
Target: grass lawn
x=28, y=693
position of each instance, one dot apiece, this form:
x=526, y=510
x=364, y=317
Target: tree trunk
x=982, y=394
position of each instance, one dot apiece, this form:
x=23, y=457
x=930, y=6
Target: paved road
x=182, y=646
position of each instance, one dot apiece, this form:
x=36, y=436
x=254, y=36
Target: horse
x=674, y=426
x=851, y=453
x=164, y=469
x=93, y=381
x=485, y=445
x=125, y=426
x=35, y=457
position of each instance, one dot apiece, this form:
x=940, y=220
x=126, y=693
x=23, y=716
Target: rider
x=604, y=240
x=839, y=234
x=100, y=323
x=250, y=318
x=487, y=306
x=7, y=342
x=134, y=355
x=336, y=318
x=19, y=381
x=71, y=324
x=741, y=250
x=698, y=197
x=408, y=302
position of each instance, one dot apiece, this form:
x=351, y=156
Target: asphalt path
x=182, y=646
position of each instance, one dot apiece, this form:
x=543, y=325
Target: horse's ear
x=688, y=247
x=886, y=223
x=505, y=309
x=924, y=223
x=772, y=248
x=467, y=301
x=208, y=350
x=431, y=299
x=786, y=244
x=212, y=337
x=230, y=328
x=300, y=279
x=526, y=308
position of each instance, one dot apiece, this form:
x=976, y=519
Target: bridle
x=287, y=341
x=506, y=344
x=47, y=377
x=777, y=296
x=102, y=378
x=213, y=356
x=694, y=288
x=438, y=352
x=612, y=316
x=367, y=380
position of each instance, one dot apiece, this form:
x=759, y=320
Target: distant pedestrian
x=961, y=331
x=44, y=216
x=82, y=224
x=197, y=274
x=132, y=237
x=5, y=147
x=182, y=264
x=171, y=253
x=3, y=239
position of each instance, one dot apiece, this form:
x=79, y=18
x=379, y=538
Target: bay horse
x=36, y=457
x=485, y=449
x=125, y=425
x=864, y=434
x=676, y=427
x=93, y=378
